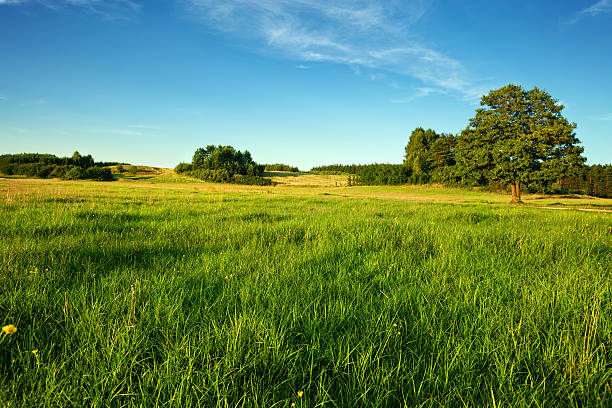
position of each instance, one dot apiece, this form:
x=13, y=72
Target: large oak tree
x=519, y=137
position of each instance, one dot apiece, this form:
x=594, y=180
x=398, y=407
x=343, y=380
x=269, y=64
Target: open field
x=158, y=290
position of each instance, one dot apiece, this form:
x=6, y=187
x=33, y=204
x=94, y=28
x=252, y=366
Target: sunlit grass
x=149, y=294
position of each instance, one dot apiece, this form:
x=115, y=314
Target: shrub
x=74, y=173
x=251, y=180
x=384, y=174
x=98, y=173
x=183, y=168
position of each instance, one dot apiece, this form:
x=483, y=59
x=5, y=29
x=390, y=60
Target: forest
x=76, y=167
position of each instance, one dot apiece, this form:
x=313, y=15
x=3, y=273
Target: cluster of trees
x=372, y=174
x=377, y=174
x=595, y=180
x=224, y=164
x=518, y=138
x=429, y=155
x=339, y=168
x=75, y=167
x=280, y=167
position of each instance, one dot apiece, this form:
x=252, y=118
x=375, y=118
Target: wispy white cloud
x=22, y=130
x=600, y=8
x=375, y=35
x=302, y=66
x=420, y=93
x=108, y=9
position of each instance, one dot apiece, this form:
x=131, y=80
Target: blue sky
x=305, y=82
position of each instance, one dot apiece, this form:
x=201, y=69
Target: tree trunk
x=515, y=186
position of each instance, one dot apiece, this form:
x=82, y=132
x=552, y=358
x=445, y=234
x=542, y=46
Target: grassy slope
x=153, y=292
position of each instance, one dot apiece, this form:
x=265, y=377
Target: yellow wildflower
x=300, y=394
x=35, y=351
x=9, y=329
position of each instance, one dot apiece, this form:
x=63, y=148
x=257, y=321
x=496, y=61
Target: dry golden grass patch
x=293, y=184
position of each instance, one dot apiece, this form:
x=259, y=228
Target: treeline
x=76, y=167
x=280, y=167
x=339, y=168
x=224, y=164
x=430, y=157
x=595, y=180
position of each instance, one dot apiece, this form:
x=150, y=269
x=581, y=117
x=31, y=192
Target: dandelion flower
x=35, y=352
x=9, y=329
x=300, y=394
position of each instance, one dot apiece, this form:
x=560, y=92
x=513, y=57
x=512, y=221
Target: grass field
x=162, y=291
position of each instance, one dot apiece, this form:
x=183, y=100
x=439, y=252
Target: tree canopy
x=519, y=137
x=50, y=166
x=224, y=164
x=429, y=155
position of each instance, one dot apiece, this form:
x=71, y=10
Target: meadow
x=161, y=291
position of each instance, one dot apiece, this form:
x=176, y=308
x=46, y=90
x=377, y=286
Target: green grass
x=194, y=295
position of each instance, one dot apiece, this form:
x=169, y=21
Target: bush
x=251, y=180
x=45, y=170
x=215, y=176
x=384, y=174
x=59, y=172
x=183, y=168
x=74, y=173
x=98, y=173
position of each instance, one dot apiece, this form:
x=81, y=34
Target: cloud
x=108, y=9
x=301, y=66
x=3, y=98
x=371, y=35
x=420, y=93
x=600, y=8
